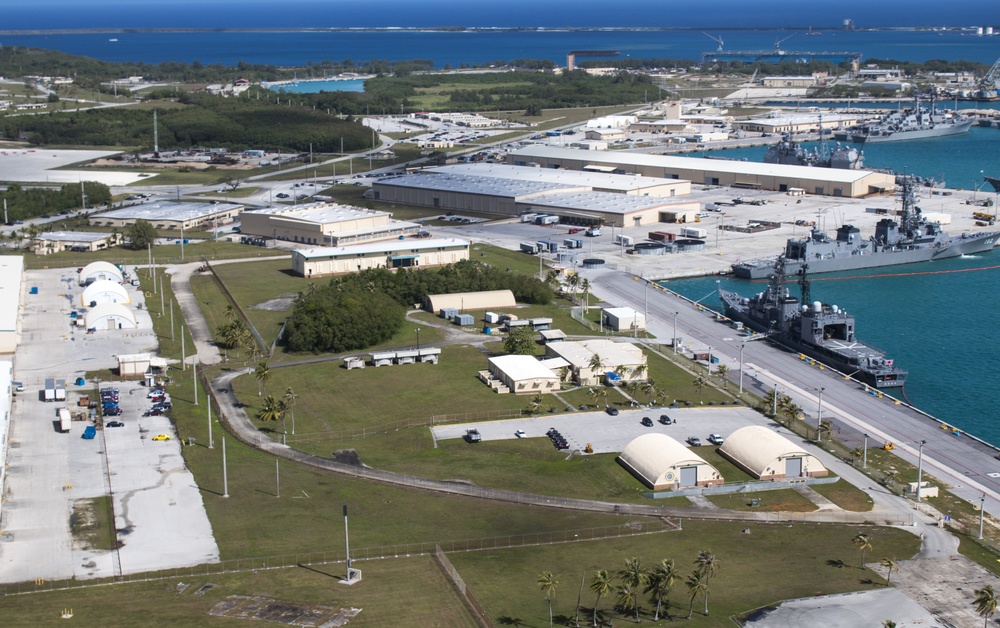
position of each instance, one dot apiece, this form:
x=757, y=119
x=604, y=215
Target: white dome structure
x=767, y=455
x=95, y=271
x=662, y=464
x=104, y=291
x=110, y=316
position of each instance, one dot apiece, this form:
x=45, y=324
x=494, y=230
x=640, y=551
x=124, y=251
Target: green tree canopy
x=140, y=234
x=520, y=341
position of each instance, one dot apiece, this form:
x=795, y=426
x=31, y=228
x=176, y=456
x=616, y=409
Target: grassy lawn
x=727, y=469
x=165, y=254
x=845, y=495
x=794, y=563
x=414, y=587
x=497, y=257
x=91, y=523
x=678, y=384
x=781, y=500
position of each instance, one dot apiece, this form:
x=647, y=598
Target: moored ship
x=913, y=239
x=916, y=123
x=815, y=329
x=790, y=153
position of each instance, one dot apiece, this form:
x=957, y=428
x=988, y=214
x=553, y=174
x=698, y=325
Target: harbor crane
x=717, y=40
x=778, y=42
x=989, y=86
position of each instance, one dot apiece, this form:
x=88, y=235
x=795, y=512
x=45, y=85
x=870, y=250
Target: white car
x=716, y=439
x=519, y=433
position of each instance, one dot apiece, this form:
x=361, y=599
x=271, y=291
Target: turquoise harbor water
x=937, y=319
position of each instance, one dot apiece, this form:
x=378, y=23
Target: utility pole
x=194, y=379
x=920, y=468
x=742, y=346
x=208, y=402
x=225, y=475
x=183, y=354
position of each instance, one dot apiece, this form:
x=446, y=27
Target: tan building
x=715, y=172
x=323, y=224
x=340, y=260
x=166, y=215
x=523, y=374
x=805, y=123
x=788, y=81
x=78, y=241
x=625, y=359
x=462, y=301
x=623, y=319
x=663, y=464
x=766, y=455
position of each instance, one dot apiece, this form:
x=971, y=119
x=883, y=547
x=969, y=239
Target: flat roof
x=805, y=118
x=73, y=236
x=169, y=211
x=471, y=184
x=606, y=202
x=392, y=226
x=11, y=273
x=392, y=246
x=319, y=213
x=670, y=162
x=519, y=367
x=574, y=178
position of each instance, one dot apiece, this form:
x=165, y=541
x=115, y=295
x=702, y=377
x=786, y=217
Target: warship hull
x=962, y=245
x=946, y=130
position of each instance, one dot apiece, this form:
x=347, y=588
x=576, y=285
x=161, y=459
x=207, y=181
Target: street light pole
x=920, y=468
x=819, y=412
x=982, y=507
x=675, y=332
x=864, y=459
x=417, y=330
x=742, y=346
x=774, y=401
x=645, y=303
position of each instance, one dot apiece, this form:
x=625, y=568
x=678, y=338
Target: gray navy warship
x=917, y=123
x=912, y=239
x=817, y=330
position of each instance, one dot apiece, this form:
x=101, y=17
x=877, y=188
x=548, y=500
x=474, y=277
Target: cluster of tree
x=363, y=309
x=140, y=234
x=270, y=123
x=629, y=583
x=25, y=203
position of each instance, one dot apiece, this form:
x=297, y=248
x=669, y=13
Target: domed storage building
x=104, y=291
x=766, y=455
x=95, y=271
x=110, y=316
x=664, y=464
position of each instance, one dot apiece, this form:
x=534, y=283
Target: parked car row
x=557, y=439
x=109, y=402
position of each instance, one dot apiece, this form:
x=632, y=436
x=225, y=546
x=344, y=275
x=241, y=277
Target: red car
x=158, y=399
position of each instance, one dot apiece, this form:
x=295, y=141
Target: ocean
x=935, y=319
x=298, y=48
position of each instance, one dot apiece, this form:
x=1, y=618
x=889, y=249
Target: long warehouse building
x=716, y=172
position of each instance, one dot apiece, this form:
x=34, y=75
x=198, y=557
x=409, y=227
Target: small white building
x=104, y=291
x=624, y=358
x=663, y=464
x=110, y=316
x=623, y=319
x=523, y=374
x=96, y=271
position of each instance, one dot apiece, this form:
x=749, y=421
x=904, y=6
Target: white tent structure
x=767, y=455
x=104, y=291
x=110, y=316
x=95, y=271
x=663, y=464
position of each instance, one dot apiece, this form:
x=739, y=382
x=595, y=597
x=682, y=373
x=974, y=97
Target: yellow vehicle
x=888, y=446
x=162, y=437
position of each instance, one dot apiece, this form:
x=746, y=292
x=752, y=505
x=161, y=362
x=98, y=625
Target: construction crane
x=778, y=42
x=990, y=85
x=717, y=40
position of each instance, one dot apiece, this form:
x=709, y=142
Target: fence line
x=478, y=610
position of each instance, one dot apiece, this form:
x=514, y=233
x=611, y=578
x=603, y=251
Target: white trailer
x=60, y=390
x=624, y=240
x=693, y=232
x=65, y=421
x=50, y=390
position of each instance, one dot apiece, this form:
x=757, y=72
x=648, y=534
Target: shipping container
x=693, y=232
x=594, y=232
x=550, y=220
x=529, y=247
x=50, y=390
x=60, y=390
x=623, y=240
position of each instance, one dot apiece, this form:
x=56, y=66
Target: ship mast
x=804, y=284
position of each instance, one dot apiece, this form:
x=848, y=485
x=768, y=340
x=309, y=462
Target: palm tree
x=535, y=402
x=986, y=603
x=864, y=543
x=602, y=393
x=548, y=584
x=263, y=374
x=661, y=580
x=633, y=577
x=639, y=371
x=890, y=566
x=250, y=348
x=699, y=383
x=650, y=390
x=626, y=599
x=596, y=364
x=697, y=585
x=585, y=287
x=825, y=429
x=708, y=565
x=289, y=399
x=230, y=313
x=632, y=388
x=722, y=370
x=601, y=585
x=574, y=282
x=272, y=410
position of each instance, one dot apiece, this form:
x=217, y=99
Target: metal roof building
x=767, y=455
x=169, y=215
x=104, y=291
x=56, y=241
x=523, y=374
x=720, y=172
x=328, y=224
x=463, y=301
x=11, y=298
x=663, y=464
x=597, y=181
x=109, y=316
x=339, y=260
x=96, y=271
x=612, y=354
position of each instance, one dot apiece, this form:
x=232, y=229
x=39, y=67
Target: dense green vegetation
x=360, y=310
x=25, y=203
x=206, y=120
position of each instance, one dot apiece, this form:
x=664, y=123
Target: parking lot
x=159, y=513
x=610, y=434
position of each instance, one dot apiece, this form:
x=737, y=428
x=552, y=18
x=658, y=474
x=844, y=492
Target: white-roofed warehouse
x=662, y=464
x=523, y=374
x=462, y=301
x=95, y=271
x=104, y=291
x=110, y=316
x=766, y=455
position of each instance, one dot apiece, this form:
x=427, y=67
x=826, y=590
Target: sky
x=63, y=14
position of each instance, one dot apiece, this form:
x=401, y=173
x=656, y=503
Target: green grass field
x=765, y=565
x=781, y=500
x=164, y=254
